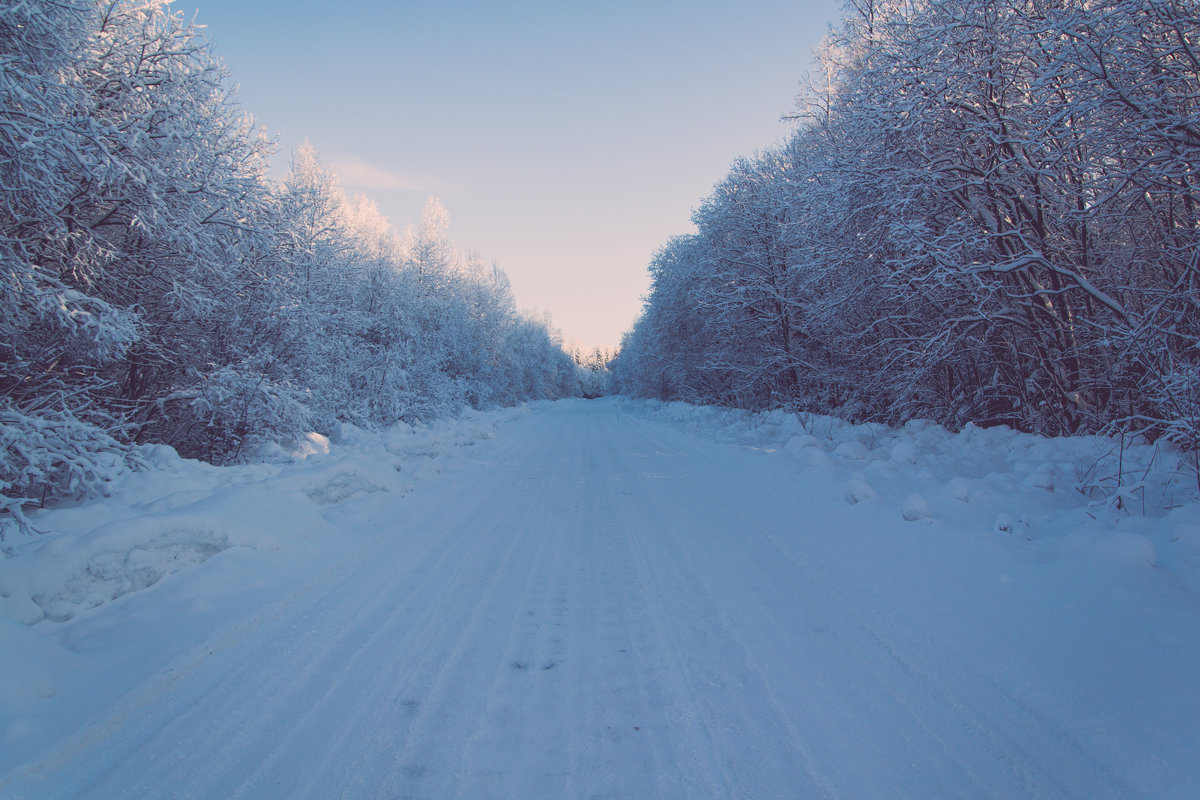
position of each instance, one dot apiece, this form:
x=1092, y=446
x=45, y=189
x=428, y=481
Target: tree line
x=987, y=212
x=159, y=287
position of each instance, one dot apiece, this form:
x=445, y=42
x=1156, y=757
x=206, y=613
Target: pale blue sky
x=567, y=140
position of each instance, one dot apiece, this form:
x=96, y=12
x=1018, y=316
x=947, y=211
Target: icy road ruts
x=597, y=604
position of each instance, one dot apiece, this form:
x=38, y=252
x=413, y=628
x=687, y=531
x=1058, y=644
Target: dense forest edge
x=987, y=213
x=160, y=288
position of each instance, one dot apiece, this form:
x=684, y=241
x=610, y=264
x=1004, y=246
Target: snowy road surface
x=597, y=604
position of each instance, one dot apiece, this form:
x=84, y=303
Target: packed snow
x=615, y=598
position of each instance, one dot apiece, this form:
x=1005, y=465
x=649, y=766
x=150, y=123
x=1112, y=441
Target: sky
x=567, y=140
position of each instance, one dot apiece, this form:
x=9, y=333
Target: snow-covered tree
x=129, y=177
x=158, y=287
x=987, y=214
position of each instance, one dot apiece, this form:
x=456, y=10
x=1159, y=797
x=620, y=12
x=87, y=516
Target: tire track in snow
x=609, y=608
x=230, y=711
x=685, y=603
x=1020, y=753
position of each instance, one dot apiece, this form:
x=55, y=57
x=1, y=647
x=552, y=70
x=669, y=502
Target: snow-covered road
x=598, y=604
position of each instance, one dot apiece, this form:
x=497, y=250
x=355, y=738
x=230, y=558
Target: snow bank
x=1131, y=503
x=179, y=513
x=118, y=586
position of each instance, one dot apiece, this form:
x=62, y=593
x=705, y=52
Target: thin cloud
x=354, y=173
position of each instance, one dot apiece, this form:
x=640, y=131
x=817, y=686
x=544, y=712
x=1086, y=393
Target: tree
x=160, y=288
x=988, y=214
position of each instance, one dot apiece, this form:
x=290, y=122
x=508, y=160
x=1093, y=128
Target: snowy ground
x=615, y=599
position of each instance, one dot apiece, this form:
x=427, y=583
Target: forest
x=160, y=288
x=987, y=213
x=900, y=496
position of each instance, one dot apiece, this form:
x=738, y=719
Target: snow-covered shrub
x=1179, y=397
x=52, y=454
x=234, y=411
